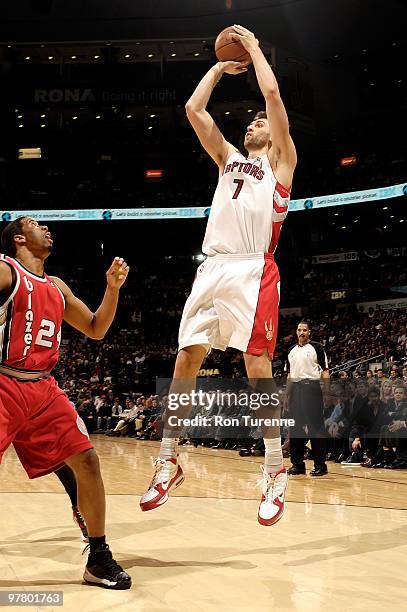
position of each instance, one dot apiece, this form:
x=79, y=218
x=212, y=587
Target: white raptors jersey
x=248, y=208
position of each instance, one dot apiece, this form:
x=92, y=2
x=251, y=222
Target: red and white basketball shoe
x=168, y=474
x=274, y=487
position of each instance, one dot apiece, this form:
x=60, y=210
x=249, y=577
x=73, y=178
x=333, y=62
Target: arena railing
x=354, y=363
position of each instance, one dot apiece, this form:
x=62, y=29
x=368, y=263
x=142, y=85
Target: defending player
x=35, y=414
x=234, y=300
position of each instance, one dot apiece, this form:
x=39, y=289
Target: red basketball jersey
x=30, y=321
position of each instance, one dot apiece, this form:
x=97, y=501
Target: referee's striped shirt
x=306, y=361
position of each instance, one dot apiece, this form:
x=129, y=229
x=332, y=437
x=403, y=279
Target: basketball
x=228, y=50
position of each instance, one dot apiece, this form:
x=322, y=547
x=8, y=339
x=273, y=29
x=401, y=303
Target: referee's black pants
x=306, y=407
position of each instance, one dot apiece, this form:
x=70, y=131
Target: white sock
x=169, y=447
x=273, y=460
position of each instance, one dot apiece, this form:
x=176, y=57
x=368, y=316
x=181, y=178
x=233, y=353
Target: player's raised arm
x=205, y=127
x=95, y=324
x=282, y=153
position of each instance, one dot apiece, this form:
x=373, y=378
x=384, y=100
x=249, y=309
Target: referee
x=307, y=363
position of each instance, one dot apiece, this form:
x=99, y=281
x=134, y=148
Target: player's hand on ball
x=246, y=38
x=233, y=67
x=117, y=273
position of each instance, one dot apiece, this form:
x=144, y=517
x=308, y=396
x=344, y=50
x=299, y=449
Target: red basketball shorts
x=234, y=302
x=41, y=423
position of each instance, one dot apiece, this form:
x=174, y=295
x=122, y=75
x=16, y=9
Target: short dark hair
x=304, y=322
x=8, y=244
x=260, y=115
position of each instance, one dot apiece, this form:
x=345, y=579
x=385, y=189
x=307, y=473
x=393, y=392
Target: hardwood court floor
x=341, y=545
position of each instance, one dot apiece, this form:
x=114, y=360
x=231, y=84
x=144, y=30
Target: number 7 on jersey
x=238, y=188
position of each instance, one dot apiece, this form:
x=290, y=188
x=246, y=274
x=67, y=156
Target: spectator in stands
x=402, y=337
x=87, y=411
x=147, y=416
x=117, y=410
x=104, y=414
x=359, y=394
x=337, y=425
x=153, y=429
x=386, y=390
x=394, y=434
x=95, y=377
x=366, y=426
x=370, y=378
x=394, y=375
x=128, y=416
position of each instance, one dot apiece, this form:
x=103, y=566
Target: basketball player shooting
x=35, y=414
x=235, y=296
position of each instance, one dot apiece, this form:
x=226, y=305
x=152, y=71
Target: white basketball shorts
x=233, y=302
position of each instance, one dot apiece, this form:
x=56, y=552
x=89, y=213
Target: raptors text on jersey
x=30, y=321
x=248, y=208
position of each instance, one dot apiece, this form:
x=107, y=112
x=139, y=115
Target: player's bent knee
x=189, y=361
x=86, y=461
x=258, y=366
